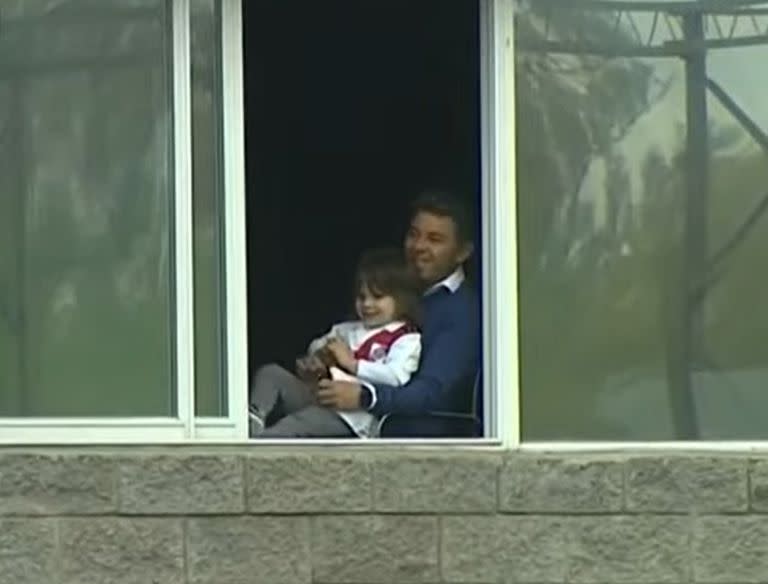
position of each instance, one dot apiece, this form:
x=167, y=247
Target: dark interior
x=351, y=109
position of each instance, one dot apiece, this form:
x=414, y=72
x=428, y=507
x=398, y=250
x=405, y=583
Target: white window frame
x=499, y=269
x=185, y=427
x=499, y=243
x=505, y=10
x=500, y=361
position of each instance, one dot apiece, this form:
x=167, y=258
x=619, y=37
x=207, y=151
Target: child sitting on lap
x=383, y=346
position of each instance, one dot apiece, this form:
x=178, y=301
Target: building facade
x=618, y=152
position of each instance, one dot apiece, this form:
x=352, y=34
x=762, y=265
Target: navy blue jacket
x=449, y=364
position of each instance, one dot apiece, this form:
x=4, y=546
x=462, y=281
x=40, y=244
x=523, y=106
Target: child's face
x=374, y=310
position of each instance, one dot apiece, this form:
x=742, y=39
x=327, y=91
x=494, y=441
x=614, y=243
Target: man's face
x=433, y=248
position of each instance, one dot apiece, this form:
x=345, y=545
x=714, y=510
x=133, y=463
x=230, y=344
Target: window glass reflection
x=643, y=220
x=85, y=167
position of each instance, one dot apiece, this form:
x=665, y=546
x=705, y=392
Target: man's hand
x=339, y=395
x=343, y=355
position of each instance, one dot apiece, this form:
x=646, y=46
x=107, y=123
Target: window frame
x=501, y=363
x=185, y=427
x=505, y=10
x=498, y=206
x=499, y=242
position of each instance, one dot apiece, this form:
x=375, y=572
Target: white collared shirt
x=452, y=282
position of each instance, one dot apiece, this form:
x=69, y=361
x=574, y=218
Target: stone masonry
x=357, y=516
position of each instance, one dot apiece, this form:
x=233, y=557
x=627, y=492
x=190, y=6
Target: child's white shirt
x=391, y=367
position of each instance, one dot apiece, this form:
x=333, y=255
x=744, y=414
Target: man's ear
x=466, y=251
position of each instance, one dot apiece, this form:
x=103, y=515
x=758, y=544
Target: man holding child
x=437, y=245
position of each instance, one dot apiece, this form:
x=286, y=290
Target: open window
x=350, y=112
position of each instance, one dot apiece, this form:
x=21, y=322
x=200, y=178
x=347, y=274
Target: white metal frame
x=499, y=242
x=185, y=427
x=501, y=354
x=235, y=426
x=183, y=218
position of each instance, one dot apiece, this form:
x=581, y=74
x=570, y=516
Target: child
x=383, y=346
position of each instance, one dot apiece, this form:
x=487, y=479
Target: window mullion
x=236, y=300
x=500, y=223
x=182, y=217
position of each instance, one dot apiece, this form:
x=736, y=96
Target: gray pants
x=303, y=417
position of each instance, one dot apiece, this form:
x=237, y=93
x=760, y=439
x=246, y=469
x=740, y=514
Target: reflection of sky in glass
x=742, y=71
x=629, y=252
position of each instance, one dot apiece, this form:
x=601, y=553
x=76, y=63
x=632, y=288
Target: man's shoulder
x=464, y=297
x=466, y=293
x=461, y=304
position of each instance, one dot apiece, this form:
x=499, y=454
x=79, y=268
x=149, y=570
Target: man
x=437, y=245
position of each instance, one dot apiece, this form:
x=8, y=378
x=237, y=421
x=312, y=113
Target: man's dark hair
x=446, y=204
x=385, y=272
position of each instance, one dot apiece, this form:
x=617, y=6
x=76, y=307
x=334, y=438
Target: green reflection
x=207, y=182
x=602, y=187
x=85, y=324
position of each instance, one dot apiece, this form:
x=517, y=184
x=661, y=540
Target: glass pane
x=642, y=222
x=207, y=181
x=85, y=176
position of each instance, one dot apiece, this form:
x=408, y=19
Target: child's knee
x=270, y=371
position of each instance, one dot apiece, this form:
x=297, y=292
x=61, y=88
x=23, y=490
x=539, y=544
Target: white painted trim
x=211, y=422
x=502, y=353
x=492, y=423
x=18, y=431
x=633, y=447
x=183, y=218
x=236, y=282
x=45, y=423
x=171, y=432
x=104, y=431
x=216, y=430
x=409, y=443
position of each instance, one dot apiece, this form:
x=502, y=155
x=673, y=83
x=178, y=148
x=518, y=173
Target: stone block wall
x=267, y=516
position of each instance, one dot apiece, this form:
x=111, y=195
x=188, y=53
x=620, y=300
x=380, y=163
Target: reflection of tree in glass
x=93, y=151
x=600, y=283
x=207, y=184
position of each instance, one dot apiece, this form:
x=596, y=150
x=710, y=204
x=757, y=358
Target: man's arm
x=451, y=357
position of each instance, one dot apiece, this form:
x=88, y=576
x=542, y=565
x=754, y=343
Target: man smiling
x=437, y=245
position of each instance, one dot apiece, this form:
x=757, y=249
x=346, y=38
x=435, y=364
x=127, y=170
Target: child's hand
x=325, y=356
x=342, y=354
x=310, y=369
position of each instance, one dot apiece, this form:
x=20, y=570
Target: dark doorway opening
x=351, y=109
